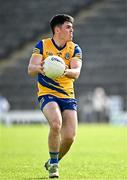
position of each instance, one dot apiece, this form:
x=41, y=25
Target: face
x=65, y=31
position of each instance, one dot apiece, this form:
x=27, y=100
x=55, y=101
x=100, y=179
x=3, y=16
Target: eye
x=69, y=27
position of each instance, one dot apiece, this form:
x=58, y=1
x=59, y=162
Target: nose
x=71, y=30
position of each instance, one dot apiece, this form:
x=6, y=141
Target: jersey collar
x=59, y=48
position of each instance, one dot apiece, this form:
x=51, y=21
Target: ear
x=57, y=29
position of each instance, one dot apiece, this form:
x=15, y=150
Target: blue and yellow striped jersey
x=61, y=87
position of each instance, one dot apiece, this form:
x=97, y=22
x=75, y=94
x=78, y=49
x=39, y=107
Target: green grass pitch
x=99, y=152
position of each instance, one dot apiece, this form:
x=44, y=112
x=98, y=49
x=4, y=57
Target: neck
x=59, y=42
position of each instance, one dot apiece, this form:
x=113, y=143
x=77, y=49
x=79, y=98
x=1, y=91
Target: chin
x=70, y=39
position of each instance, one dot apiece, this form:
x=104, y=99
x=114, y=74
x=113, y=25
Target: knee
x=56, y=126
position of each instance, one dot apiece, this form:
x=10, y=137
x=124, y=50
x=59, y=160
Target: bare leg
x=53, y=115
x=68, y=131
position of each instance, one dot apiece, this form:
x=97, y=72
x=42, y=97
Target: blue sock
x=54, y=157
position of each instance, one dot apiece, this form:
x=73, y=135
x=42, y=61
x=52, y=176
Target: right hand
x=36, y=65
x=40, y=68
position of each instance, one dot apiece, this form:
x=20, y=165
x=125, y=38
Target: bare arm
x=75, y=68
x=35, y=65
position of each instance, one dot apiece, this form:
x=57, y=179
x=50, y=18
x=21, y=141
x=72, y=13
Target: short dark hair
x=59, y=19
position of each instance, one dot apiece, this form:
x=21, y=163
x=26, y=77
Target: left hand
x=65, y=72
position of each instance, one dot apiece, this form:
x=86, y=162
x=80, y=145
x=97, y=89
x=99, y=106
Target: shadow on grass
x=37, y=178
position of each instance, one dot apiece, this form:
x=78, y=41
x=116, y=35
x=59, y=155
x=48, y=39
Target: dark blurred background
x=101, y=32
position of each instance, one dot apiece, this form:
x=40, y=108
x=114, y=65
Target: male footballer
x=56, y=97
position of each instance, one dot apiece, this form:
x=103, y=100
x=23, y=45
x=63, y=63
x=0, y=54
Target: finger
x=42, y=72
x=42, y=63
x=66, y=67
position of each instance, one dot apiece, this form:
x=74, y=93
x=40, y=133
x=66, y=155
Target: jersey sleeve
x=38, y=49
x=77, y=52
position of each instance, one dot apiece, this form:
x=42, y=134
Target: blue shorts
x=64, y=103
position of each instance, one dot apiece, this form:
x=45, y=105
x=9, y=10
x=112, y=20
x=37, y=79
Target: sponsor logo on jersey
x=49, y=53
